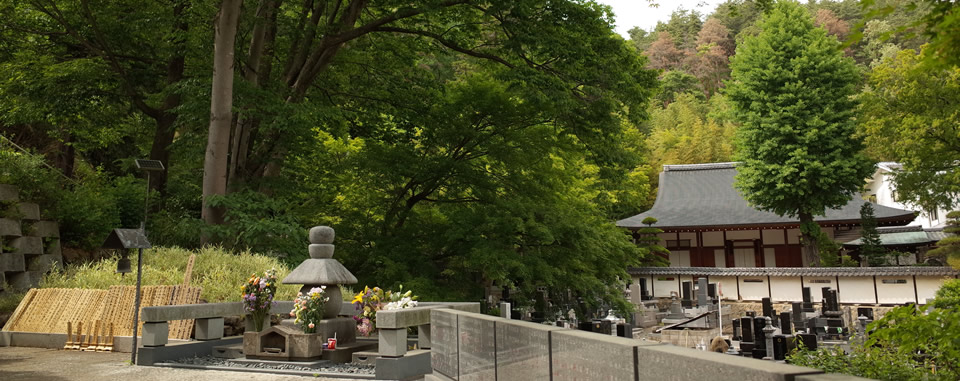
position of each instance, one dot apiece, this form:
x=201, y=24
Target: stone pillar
x=208, y=329
x=635, y=296
x=505, y=310
x=393, y=342
x=154, y=334
x=423, y=337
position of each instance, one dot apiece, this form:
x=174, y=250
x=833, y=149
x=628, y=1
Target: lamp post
x=126, y=239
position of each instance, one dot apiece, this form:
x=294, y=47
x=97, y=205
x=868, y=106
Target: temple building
x=707, y=223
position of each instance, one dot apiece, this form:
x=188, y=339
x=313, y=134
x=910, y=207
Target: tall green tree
x=949, y=247
x=871, y=248
x=909, y=114
x=791, y=88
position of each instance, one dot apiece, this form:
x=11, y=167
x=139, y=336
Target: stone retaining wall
x=29, y=246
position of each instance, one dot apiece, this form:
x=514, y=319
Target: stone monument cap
x=321, y=234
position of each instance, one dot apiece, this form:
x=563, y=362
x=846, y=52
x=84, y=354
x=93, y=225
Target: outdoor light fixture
x=123, y=240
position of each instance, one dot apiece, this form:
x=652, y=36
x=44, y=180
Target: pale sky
x=631, y=13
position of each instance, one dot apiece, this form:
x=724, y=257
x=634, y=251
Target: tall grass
x=220, y=273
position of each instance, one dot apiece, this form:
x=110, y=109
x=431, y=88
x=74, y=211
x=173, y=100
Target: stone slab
x=46, y=228
x=10, y=227
x=344, y=328
x=581, y=355
x=436, y=377
x=419, y=315
x=364, y=357
x=12, y=262
x=414, y=364
x=659, y=362
x=193, y=311
x=445, y=356
x=29, y=211
x=477, y=336
x=344, y=352
x=177, y=350
x=523, y=350
x=4, y=339
x=28, y=245
x=9, y=193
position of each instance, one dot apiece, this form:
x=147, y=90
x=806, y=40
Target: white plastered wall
x=663, y=285
x=786, y=289
x=817, y=284
x=753, y=290
x=727, y=286
x=857, y=290
x=927, y=287
x=896, y=290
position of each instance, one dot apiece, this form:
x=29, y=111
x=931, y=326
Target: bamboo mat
x=48, y=310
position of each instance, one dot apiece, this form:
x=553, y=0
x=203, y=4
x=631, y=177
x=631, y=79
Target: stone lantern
x=322, y=270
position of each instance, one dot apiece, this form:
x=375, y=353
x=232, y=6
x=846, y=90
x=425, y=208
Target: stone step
x=365, y=357
x=46, y=228
x=234, y=351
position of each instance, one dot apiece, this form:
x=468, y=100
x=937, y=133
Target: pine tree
x=648, y=240
x=871, y=247
x=791, y=91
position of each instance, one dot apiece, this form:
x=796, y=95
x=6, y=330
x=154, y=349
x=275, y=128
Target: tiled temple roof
x=798, y=271
x=703, y=196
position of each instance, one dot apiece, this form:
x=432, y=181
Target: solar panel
x=149, y=165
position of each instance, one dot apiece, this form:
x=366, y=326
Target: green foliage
x=792, y=90
x=949, y=247
x=830, y=251
x=686, y=132
x=871, y=247
x=903, y=345
x=908, y=115
x=219, y=272
x=10, y=299
x=262, y=224
x=948, y=296
x=877, y=363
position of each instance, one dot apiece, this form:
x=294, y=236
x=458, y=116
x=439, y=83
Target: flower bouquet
x=258, y=295
x=368, y=303
x=308, y=309
x=375, y=299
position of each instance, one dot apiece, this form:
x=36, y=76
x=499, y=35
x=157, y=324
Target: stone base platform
x=309, y=364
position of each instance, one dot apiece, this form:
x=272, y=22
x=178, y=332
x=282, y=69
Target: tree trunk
x=221, y=102
x=809, y=231
x=160, y=150
x=165, y=118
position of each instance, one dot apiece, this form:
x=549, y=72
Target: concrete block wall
x=29, y=245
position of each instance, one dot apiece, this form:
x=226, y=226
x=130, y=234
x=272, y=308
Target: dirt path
x=20, y=363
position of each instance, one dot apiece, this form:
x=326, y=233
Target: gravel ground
x=20, y=363
x=335, y=368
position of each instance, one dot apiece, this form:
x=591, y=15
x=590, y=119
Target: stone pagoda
x=322, y=270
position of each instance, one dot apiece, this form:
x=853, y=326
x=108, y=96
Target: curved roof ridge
x=699, y=167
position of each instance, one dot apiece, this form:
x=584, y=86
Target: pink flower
x=311, y=325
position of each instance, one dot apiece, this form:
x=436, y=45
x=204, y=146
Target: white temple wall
x=895, y=290
x=786, y=289
x=927, y=287
x=753, y=287
x=856, y=290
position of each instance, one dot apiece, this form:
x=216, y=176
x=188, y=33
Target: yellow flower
x=357, y=298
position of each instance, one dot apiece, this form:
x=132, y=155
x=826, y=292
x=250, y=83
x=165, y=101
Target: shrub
x=10, y=299
x=219, y=272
